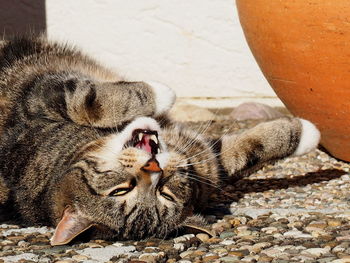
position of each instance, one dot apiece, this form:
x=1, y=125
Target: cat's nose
x=152, y=166
x=151, y=173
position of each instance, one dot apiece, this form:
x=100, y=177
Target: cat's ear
x=196, y=224
x=70, y=226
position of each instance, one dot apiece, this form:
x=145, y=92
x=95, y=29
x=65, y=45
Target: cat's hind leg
x=267, y=142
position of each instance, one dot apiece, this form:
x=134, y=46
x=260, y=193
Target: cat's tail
x=268, y=142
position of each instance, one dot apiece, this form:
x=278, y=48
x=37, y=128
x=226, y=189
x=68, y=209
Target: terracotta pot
x=303, y=49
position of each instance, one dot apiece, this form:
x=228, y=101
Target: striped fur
x=65, y=123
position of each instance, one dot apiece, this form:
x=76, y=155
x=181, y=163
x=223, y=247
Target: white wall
x=194, y=46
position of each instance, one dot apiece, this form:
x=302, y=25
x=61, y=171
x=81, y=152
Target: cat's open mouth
x=146, y=140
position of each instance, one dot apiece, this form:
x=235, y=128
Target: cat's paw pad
x=309, y=139
x=164, y=97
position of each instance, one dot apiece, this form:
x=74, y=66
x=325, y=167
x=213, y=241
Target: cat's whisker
x=202, y=177
x=203, y=182
x=199, y=133
x=210, y=158
x=190, y=141
x=201, y=130
x=209, y=150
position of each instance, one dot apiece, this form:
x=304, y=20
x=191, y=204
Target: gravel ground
x=296, y=210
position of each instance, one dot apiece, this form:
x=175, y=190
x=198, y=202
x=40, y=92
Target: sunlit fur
x=65, y=123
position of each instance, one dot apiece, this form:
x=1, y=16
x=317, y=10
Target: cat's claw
x=309, y=139
x=164, y=97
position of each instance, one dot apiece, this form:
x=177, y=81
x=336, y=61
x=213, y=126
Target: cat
x=82, y=149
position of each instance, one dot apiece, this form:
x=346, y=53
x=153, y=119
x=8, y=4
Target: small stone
x=264, y=258
x=202, y=237
x=254, y=110
x=226, y=234
x=239, y=253
x=334, y=222
x=150, y=249
x=118, y=244
x=221, y=226
x=25, y=257
x=79, y=257
x=343, y=238
x=269, y=230
x=227, y=242
x=256, y=248
x=235, y=222
x=315, y=227
x=179, y=246
x=186, y=254
x=296, y=234
x=152, y=257
x=214, y=240
x=210, y=257
x=7, y=243
x=316, y=252
x=148, y=257
x=229, y=259
x=326, y=260
x=44, y=260
x=198, y=253
x=273, y=252
x=249, y=259
x=94, y=245
x=183, y=238
x=184, y=111
x=341, y=260
x=338, y=249
x=23, y=244
x=220, y=251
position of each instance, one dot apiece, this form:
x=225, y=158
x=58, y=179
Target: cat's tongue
x=144, y=144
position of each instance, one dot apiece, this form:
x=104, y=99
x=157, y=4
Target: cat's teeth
x=140, y=136
x=154, y=138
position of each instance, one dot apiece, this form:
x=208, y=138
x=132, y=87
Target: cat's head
x=127, y=185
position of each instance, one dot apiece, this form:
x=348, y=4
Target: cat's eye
x=120, y=191
x=166, y=194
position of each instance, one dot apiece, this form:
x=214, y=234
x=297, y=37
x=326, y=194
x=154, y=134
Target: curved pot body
x=303, y=49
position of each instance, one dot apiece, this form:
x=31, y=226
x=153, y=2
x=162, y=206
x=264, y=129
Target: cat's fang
x=154, y=138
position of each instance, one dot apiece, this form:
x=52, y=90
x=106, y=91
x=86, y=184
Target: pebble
x=203, y=237
x=334, y=222
x=79, y=257
x=186, y=253
x=341, y=260
x=152, y=257
x=227, y=242
x=296, y=234
x=229, y=259
x=317, y=252
x=179, y=246
x=226, y=234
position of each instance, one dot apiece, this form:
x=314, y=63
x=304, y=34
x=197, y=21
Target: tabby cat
x=82, y=148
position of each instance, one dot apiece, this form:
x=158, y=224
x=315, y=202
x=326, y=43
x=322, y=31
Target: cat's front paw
x=309, y=138
x=164, y=97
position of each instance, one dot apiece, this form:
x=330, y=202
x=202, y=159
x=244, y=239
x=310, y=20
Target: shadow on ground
x=220, y=204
